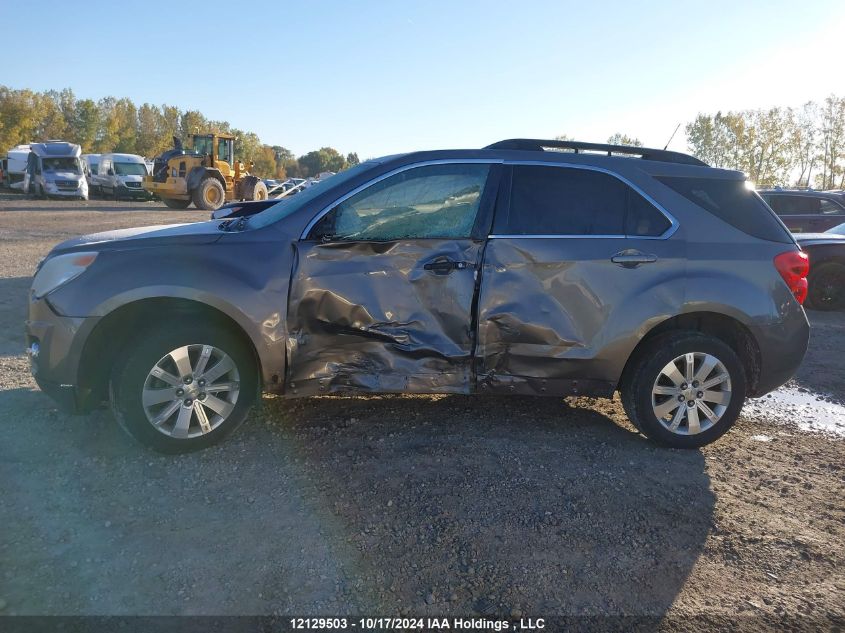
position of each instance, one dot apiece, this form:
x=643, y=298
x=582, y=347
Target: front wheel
x=209, y=194
x=183, y=388
x=684, y=390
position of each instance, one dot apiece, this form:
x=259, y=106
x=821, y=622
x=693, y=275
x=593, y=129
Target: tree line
x=780, y=146
x=118, y=125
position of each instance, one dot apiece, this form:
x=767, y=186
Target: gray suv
x=532, y=267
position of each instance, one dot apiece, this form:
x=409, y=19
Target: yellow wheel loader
x=208, y=175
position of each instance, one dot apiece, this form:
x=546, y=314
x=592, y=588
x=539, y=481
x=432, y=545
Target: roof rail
x=646, y=153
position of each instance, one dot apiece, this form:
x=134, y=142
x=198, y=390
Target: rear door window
x=550, y=200
x=565, y=201
x=732, y=202
x=643, y=219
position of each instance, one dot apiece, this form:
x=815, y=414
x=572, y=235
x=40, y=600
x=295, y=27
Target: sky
x=385, y=77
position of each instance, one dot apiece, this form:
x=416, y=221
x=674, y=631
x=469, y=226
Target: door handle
x=445, y=266
x=631, y=258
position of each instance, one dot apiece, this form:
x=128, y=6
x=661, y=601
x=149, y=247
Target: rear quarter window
x=732, y=202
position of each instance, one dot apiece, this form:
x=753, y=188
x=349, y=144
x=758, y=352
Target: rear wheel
x=684, y=389
x=173, y=203
x=182, y=388
x=209, y=194
x=827, y=287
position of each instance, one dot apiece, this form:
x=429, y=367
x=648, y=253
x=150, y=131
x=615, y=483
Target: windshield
x=839, y=230
x=130, y=169
x=202, y=144
x=287, y=206
x=62, y=164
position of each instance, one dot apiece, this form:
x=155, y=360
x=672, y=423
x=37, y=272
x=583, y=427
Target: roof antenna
x=671, y=137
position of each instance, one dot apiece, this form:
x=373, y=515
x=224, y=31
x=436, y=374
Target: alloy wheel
x=191, y=391
x=691, y=393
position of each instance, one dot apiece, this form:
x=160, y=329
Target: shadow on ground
x=449, y=505
x=13, y=301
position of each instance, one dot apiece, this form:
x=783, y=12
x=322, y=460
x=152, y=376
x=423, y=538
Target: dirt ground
x=454, y=506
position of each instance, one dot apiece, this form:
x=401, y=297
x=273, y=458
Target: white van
x=55, y=168
x=91, y=162
x=15, y=167
x=120, y=175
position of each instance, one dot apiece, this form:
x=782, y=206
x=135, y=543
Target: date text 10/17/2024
x=423, y=624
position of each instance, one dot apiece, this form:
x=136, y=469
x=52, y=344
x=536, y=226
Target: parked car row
x=59, y=169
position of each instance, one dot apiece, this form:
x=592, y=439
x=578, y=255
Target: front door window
x=434, y=201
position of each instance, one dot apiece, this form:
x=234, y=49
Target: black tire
x=143, y=352
x=173, y=203
x=253, y=188
x=644, y=369
x=826, y=287
x=209, y=194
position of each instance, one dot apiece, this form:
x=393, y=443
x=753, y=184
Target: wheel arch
x=726, y=328
x=113, y=330
x=197, y=174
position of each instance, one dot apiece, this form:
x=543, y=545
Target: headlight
x=59, y=270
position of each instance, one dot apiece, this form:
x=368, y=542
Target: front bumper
x=132, y=192
x=56, y=355
x=55, y=192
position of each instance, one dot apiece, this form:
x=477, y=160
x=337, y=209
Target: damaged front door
x=384, y=284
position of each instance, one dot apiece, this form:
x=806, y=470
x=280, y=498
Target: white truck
x=54, y=169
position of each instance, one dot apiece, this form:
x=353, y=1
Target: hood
x=143, y=237
x=63, y=174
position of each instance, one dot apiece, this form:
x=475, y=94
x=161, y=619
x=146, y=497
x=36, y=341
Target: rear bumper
x=782, y=349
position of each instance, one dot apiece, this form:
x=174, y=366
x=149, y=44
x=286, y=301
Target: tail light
x=794, y=266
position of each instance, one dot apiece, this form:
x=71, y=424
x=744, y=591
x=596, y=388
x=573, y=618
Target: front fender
x=246, y=283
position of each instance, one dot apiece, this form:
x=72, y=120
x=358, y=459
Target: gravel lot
x=419, y=505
